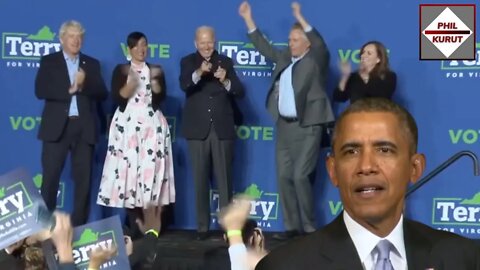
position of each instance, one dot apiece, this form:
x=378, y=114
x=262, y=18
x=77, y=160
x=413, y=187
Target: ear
x=418, y=164
x=195, y=44
x=330, y=164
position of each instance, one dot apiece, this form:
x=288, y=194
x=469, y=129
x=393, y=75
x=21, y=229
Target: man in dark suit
x=211, y=85
x=70, y=83
x=373, y=159
x=299, y=104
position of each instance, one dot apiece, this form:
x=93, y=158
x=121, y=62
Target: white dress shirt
x=365, y=243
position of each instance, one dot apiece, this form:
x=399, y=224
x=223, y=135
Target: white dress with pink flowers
x=138, y=169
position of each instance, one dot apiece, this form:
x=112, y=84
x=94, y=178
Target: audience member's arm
x=233, y=219
x=99, y=256
x=144, y=249
x=62, y=239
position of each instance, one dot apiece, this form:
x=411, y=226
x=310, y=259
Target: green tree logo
x=88, y=236
x=253, y=191
x=38, y=180
x=475, y=200
x=44, y=34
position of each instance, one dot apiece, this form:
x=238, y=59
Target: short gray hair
x=205, y=28
x=71, y=24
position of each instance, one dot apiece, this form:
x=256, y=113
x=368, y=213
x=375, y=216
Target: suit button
x=210, y=97
x=209, y=110
x=211, y=120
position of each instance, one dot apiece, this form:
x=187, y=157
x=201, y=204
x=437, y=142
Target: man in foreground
x=374, y=157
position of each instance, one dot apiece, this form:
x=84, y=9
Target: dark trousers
x=297, y=150
x=202, y=154
x=54, y=155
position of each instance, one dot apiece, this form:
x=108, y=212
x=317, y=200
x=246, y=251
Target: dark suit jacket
x=119, y=78
x=208, y=99
x=52, y=84
x=332, y=248
x=309, y=76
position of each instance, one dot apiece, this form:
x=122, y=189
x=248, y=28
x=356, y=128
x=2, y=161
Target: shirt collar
x=365, y=241
x=295, y=59
x=67, y=57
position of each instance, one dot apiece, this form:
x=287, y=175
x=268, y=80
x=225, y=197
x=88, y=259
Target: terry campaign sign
x=20, y=205
x=103, y=234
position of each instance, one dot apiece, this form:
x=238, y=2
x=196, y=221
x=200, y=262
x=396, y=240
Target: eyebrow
x=379, y=143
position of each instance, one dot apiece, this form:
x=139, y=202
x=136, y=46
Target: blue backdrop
x=441, y=95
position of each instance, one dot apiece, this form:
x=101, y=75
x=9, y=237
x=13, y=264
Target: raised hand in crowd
x=233, y=219
x=234, y=216
x=62, y=236
x=152, y=220
x=100, y=255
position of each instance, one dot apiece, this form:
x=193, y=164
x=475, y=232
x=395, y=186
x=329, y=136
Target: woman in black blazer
x=373, y=78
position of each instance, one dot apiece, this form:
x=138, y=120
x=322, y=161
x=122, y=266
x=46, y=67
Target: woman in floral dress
x=138, y=169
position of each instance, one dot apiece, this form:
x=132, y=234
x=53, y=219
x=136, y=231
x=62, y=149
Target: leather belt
x=289, y=119
x=74, y=117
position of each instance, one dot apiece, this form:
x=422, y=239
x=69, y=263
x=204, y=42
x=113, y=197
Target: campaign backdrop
x=442, y=95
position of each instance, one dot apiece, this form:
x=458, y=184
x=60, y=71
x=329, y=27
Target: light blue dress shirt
x=72, y=66
x=286, y=94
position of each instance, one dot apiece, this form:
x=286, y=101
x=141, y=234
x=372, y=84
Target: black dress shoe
x=286, y=235
x=201, y=236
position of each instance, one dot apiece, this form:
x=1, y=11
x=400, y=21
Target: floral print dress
x=138, y=169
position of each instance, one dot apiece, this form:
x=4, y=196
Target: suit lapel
x=417, y=246
x=338, y=246
x=62, y=65
x=81, y=62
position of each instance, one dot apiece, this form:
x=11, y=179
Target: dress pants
x=202, y=154
x=297, y=150
x=54, y=155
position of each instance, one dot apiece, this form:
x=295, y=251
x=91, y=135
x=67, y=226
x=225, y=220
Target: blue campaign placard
x=104, y=233
x=20, y=207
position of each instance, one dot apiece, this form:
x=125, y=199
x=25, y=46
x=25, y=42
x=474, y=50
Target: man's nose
x=367, y=163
